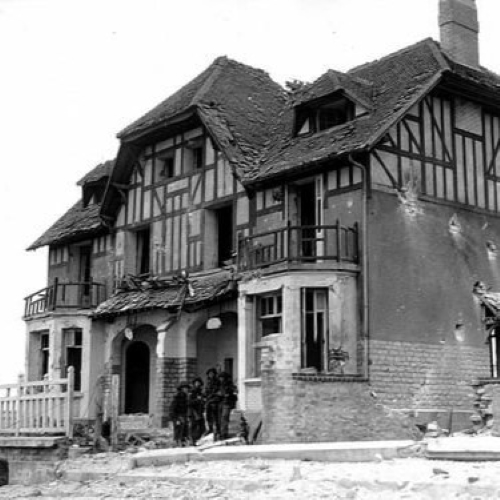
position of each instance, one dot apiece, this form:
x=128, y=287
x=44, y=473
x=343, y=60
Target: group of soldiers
x=199, y=409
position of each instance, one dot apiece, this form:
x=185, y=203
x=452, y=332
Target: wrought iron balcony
x=320, y=246
x=81, y=295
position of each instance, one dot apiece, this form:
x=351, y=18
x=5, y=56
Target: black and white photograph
x=251, y=249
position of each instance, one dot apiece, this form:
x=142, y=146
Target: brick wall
x=320, y=408
x=418, y=376
x=314, y=408
x=170, y=372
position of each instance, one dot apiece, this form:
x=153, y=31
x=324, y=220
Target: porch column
x=245, y=347
x=176, y=361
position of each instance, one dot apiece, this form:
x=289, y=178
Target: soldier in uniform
x=179, y=414
x=212, y=402
x=196, y=409
x=228, y=400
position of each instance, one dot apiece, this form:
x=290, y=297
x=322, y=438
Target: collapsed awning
x=189, y=293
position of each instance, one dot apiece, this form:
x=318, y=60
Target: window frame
x=258, y=337
x=324, y=334
x=44, y=353
x=74, y=343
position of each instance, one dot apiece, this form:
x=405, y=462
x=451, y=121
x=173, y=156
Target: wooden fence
x=35, y=408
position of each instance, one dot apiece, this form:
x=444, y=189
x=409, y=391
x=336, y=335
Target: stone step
x=473, y=448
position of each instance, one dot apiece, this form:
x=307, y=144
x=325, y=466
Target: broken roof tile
x=77, y=222
x=100, y=172
x=169, y=295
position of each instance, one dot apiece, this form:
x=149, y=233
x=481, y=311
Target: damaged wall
x=427, y=339
x=321, y=408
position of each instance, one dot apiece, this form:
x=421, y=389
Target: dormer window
x=324, y=114
x=93, y=193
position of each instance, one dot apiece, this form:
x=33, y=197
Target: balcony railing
x=301, y=245
x=80, y=295
x=38, y=408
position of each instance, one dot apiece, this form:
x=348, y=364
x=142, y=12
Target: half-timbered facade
x=320, y=244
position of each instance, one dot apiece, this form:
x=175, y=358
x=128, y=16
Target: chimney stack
x=459, y=29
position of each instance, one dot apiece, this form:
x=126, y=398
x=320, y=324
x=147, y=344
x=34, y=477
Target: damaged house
x=320, y=244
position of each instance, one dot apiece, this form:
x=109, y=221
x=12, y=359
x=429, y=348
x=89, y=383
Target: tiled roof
x=396, y=83
x=78, y=221
x=100, y=172
x=236, y=102
x=331, y=81
x=168, y=294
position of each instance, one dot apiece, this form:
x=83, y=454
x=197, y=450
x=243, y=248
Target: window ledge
x=253, y=381
x=488, y=381
x=328, y=377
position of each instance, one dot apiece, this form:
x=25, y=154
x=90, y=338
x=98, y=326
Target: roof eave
x=297, y=171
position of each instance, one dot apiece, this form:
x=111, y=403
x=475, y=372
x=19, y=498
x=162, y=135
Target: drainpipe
x=364, y=259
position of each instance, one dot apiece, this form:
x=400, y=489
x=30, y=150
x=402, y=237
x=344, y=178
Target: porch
x=73, y=295
x=302, y=247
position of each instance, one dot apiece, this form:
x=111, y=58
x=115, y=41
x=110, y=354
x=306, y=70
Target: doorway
x=308, y=239
x=137, y=378
x=85, y=274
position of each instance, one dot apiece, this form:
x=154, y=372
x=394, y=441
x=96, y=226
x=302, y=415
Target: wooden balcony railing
x=299, y=244
x=65, y=296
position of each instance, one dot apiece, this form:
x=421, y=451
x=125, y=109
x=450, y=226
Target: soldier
x=212, y=400
x=227, y=403
x=196, y=411
x=179, y=414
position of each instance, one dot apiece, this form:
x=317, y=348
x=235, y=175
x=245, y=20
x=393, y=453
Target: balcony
x=323, y=247
x=65, y=296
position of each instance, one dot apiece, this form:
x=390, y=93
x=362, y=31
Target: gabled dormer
x=332, y=100
x=323, y=114
x=94, y=183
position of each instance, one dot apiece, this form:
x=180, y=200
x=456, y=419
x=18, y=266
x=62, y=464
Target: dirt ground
x=412, y=478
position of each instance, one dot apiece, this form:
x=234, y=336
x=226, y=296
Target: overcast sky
x=73, y=73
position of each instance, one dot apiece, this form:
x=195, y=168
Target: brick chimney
x=459, y=29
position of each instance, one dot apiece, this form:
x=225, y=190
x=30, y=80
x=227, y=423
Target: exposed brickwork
x=418, y=376
x=487, y=405
x=170, y=372
x=299, y=410
x=304, y=408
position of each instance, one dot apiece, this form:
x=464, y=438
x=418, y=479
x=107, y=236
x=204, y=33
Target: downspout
x=364, y=261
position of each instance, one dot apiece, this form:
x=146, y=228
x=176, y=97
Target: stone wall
x=413, y=375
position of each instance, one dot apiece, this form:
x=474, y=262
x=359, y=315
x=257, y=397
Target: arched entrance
x=137, y=378
x=219, y=347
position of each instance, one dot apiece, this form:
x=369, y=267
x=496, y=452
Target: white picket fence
x=37, y=408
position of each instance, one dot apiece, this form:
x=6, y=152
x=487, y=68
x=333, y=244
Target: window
x=313, y=117
x=269, y=310
x=193, y=155
x=44, y=354
x=269, y=314
x=314, y=318
x=73, y=354
x=165, y=168
x=143, y=240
